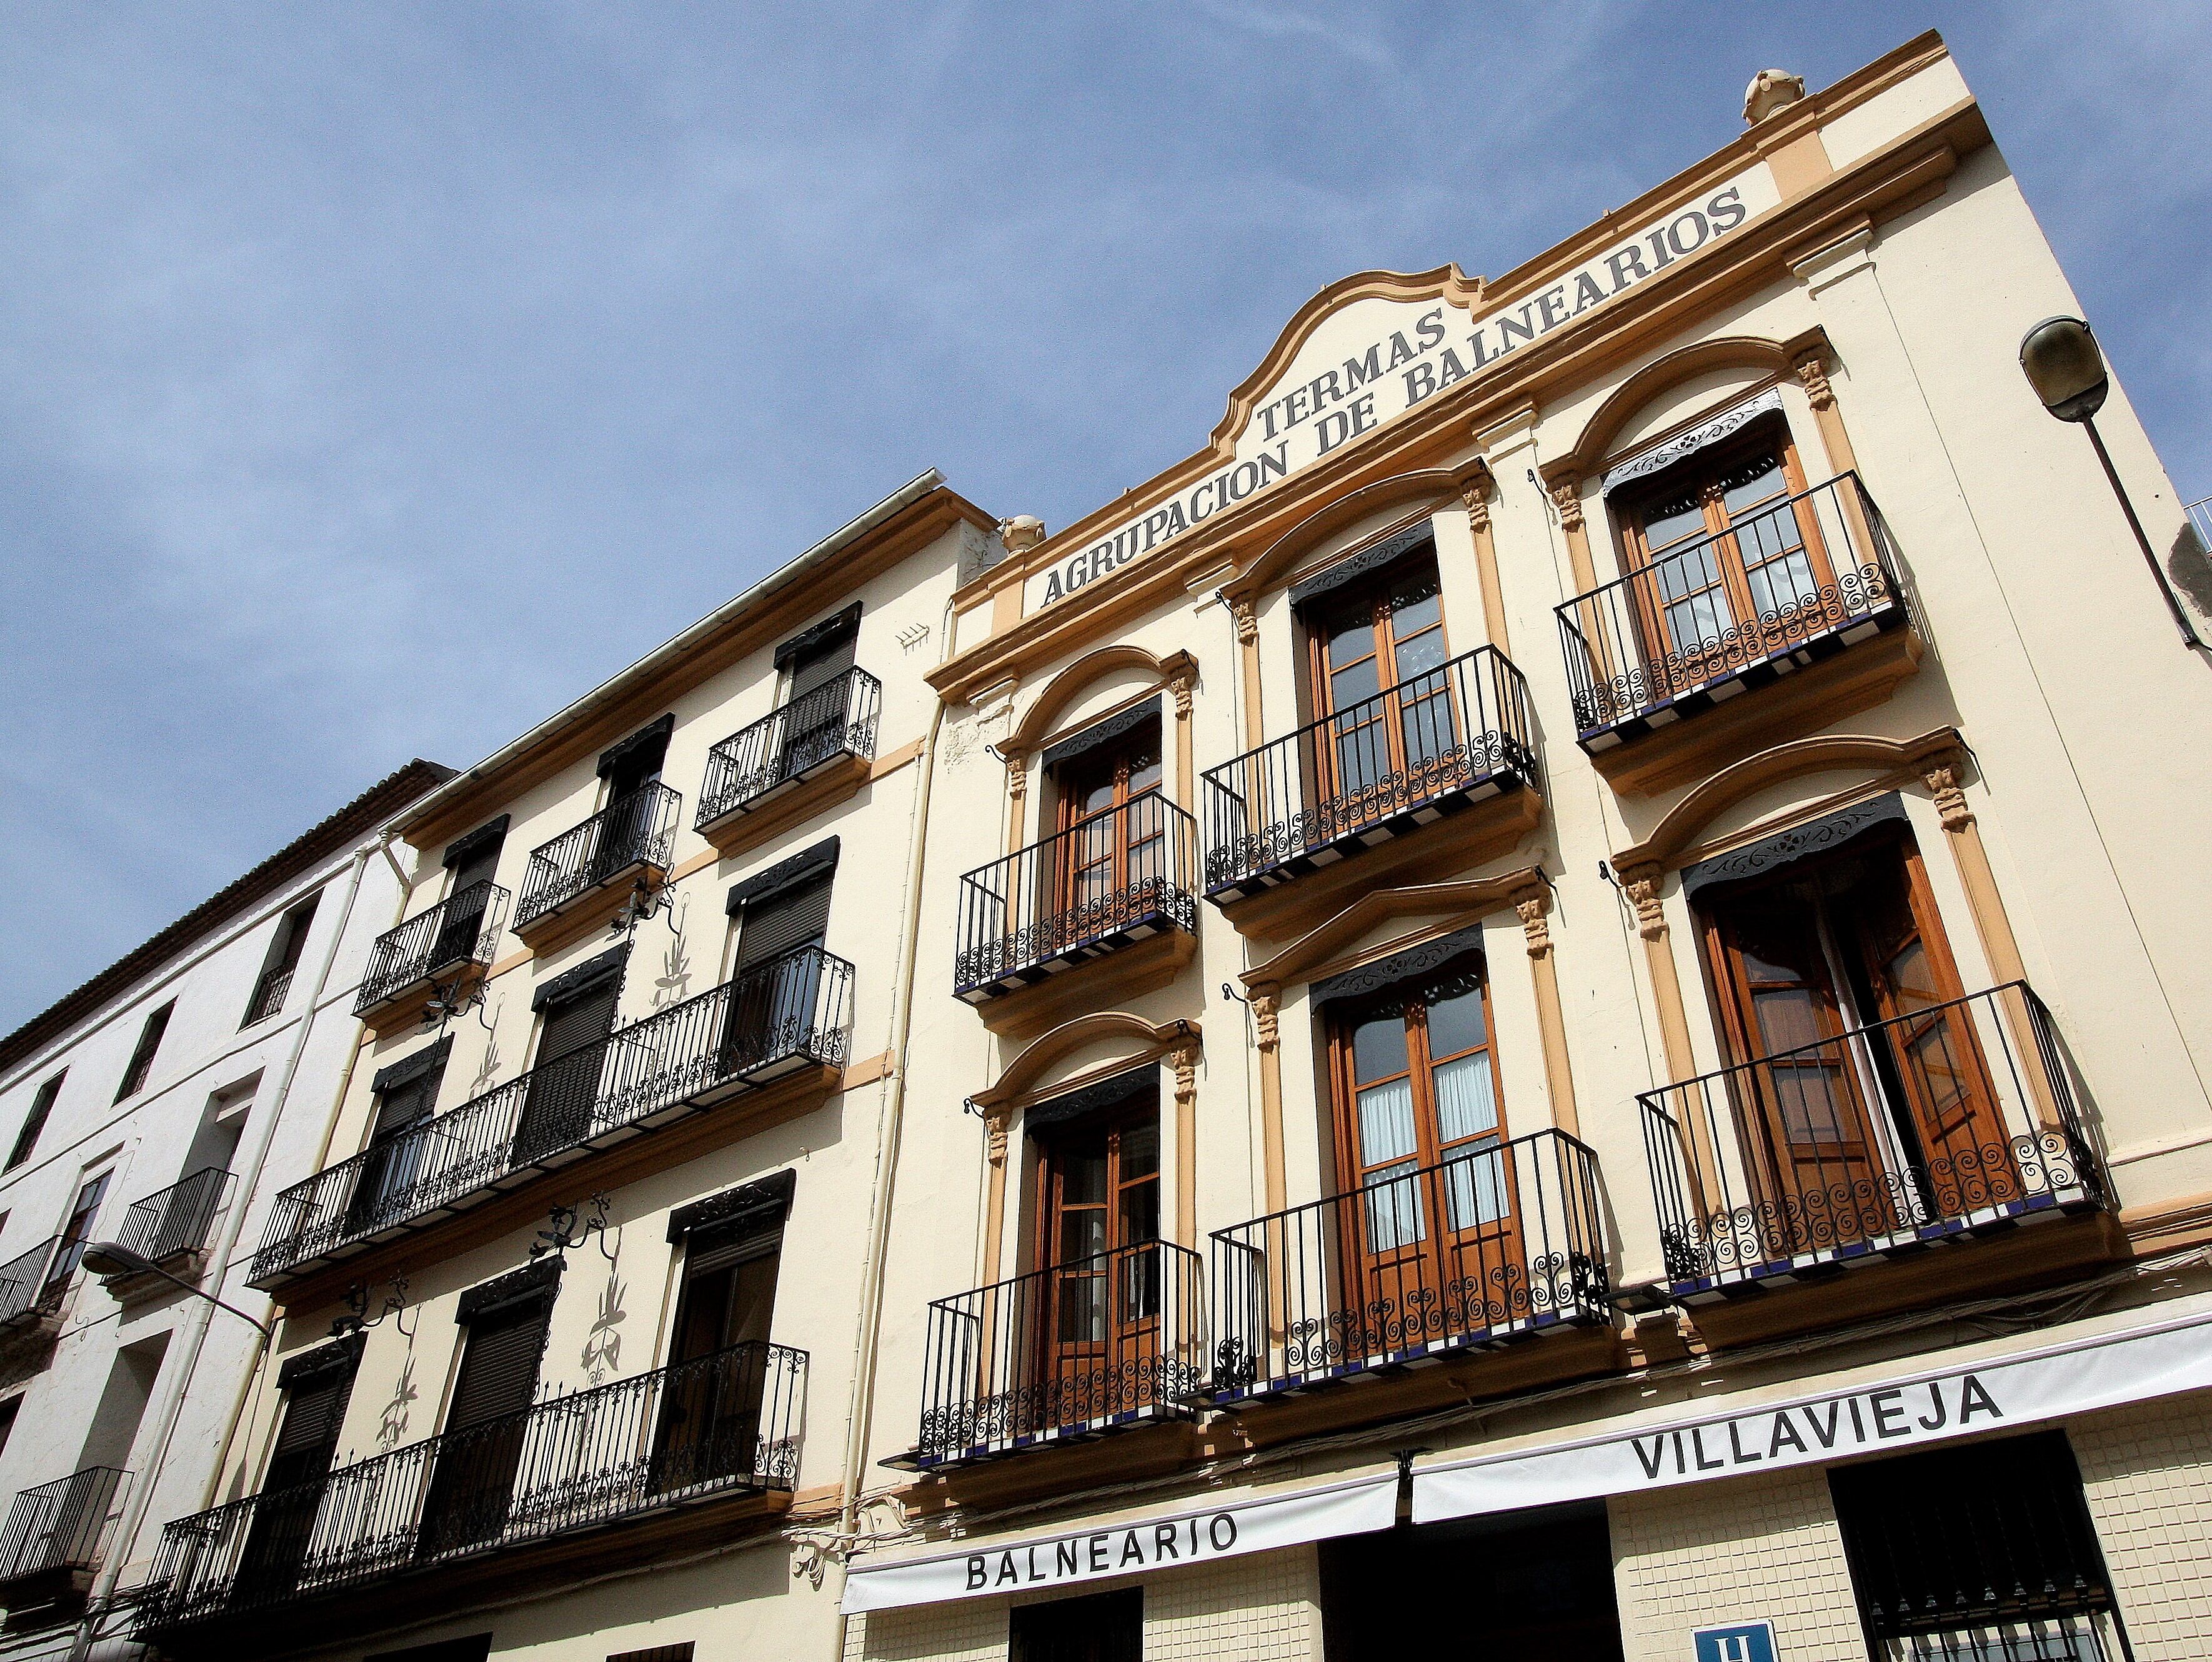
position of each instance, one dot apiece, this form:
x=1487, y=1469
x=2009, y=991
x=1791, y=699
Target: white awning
x=1091, y=1552
x=2102, y=1370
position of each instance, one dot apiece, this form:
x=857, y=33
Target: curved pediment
x=1316, y=325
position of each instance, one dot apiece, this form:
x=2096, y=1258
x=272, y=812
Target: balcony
x=578, y=879
x=171, y=1228
x=1772, y=597
x=1434, y=746
x=30, y=1301
x=1953, y=1123
x=1104, y=884
x=698, y=1446
x=1094, y=1346
x=1366, y=1280
x=455, y=937
x=781, y=1023
x=54, y=1538
x=791, y=763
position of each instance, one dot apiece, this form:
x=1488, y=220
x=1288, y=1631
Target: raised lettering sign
x=1372, y=360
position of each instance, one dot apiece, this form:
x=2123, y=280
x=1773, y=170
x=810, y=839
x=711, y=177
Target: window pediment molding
x=1328, y=949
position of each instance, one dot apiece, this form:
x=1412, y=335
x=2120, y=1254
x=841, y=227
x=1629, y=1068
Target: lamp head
x=2062, y=362
x=108, y=1258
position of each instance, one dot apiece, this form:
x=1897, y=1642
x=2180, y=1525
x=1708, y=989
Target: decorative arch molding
x=1677, y=833
x=1322, y=947
x=1439, y=486
x=1177, y=669
x=1446, y=283
x=1777, y=358
x=1019, y=1083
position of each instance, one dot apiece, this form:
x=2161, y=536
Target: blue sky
x=376, y=378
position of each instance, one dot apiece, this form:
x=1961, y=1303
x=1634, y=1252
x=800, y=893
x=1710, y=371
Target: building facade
x=1554, y=993
x=156, y=1108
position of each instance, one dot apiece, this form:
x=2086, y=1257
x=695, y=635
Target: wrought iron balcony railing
x=1118, y=876
x=637, y=828
x=790, y=744
x=1489, y=1246
x=774, y=1019
x=178, y=1218
x=1954, y=1118
x=24, y=1289
x=1809, y=576
x=61, y=1525
x=461, y=929
x=1435, y=742
x=1075, y=1349
x=726, y=1424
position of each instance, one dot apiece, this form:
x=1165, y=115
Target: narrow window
x=1101, y=1627
x=1111, y=852
x=78, y=1233
x=474, y=862
x=1377, y=652
x=710, y=1406
x=778, y=989
x=572, y=1056
x=316, y=1385
x=141, y=1059
x=1420, y=1130
x=36, y=1121
x=1098, y=1222
x=656, y=1653
x=406, y=1094
x=276, y=983
x=630, y=817
x=480, y=1450
x=815, y=708
x=1983, y=1551
x=8, y=1409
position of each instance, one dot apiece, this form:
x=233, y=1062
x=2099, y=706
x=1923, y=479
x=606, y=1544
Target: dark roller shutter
x=308, y=1438
x=565, y=1084
x=775, y=924
x=821, y=666
x=317, y=1385
x=499, y=1366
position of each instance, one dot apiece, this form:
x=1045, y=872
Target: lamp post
x=109, y=1257
x=2062, y=362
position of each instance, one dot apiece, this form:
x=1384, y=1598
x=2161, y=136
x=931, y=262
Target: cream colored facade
x=1977, y=676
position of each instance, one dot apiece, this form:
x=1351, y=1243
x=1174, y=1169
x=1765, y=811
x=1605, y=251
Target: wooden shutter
x=499, y=1366
x=788, y=917
x=308, y=1440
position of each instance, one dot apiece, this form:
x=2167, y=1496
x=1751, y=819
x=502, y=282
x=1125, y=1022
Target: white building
x=157, y=1106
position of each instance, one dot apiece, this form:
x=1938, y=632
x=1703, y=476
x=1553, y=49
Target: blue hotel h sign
x=1740, y=1641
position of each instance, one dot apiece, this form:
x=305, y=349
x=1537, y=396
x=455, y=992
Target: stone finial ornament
x=1771, y=90
x=1021, y=533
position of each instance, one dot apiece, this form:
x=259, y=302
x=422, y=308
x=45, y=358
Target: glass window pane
x=1140, y=1150
x=1753, y=482
x=1422, y=653
x=1393, y=1209
x=1349, y=687
x=1083, y=1180
x=1467, y=1098
x=1673, y=520
x=1378, y=1047
x=1351, y=638
x=1788, y=1018
x=1474, y=1189
x=1082, y=1234
x=1386, y=1123
x=1456, y=1024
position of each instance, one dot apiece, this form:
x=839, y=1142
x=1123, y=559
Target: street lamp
x=2062, y=362
x=110, y=1258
